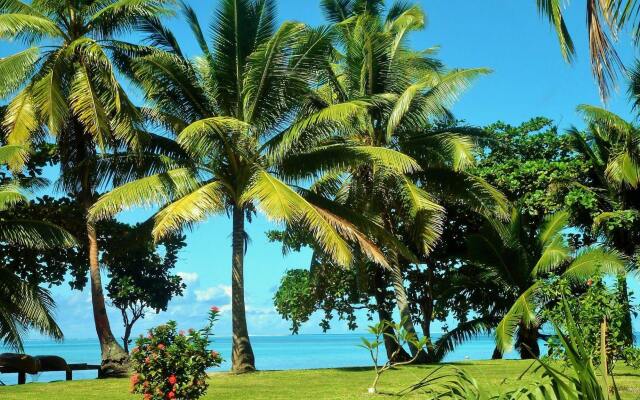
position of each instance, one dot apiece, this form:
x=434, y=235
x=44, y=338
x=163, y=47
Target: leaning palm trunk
x=114, y=359
x=394, y=352
x=403, y=307
x=242, y=359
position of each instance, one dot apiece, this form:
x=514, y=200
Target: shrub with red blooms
x=172, y=365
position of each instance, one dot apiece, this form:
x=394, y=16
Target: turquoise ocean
x=272, y=353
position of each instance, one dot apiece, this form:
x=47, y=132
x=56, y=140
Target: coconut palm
x=226, y=108
x=605, y=19
x=510, y=261
x=612, y=147
x=63, y=85
x=23, y=305
x=378, y=93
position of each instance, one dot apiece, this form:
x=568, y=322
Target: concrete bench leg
x=69, y=374
x=22, y=378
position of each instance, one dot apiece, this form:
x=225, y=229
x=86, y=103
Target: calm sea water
x=272, y=353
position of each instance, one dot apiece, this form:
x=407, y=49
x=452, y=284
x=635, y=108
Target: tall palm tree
x=64, y=85
x=509, y=263
x=378, y=93
x=23, y=305
x=226, y=108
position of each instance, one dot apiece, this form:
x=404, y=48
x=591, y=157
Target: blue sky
x=529, y=79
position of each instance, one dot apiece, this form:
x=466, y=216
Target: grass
x=318, y=384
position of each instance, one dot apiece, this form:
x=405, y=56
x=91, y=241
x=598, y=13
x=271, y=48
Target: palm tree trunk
x=403, y=306
x=528, y=342
x=497, y=354
x=115, y=361
x=627, y=322
x=242, y=359
x=390, y=345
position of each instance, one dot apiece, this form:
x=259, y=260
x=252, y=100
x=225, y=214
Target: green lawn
x=348, y=383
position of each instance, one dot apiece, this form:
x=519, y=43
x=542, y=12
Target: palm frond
x=207, y=200
x=281, y=203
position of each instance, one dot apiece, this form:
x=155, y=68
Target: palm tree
x=64, y=85
x=612, y=147
x=226, y=108
x=605, y=19
x=509, y=263
x=377, y=93
x=23, y=305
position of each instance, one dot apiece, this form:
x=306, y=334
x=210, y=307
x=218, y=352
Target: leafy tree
x=226, y=108
x=64, y=85
x=535, y=166
x=140, y=272
x=24, y=305
x=510, y=261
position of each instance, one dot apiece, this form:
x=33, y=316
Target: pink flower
x=215, y=309
x=181, y=333
x=171, y=395
x=173, y=380
x=191, y=330
x=161, y=346
x=215, y=354
x=589, y=282
x=134, y=379
x=147, y=360
x=147, y=396
x=150, y=336
x=134, y=350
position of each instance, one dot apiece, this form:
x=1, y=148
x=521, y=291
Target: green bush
x=172, y=365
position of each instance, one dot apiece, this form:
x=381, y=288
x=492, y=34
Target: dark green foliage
x=535, y=166
x=139, y=271
x=591, y=303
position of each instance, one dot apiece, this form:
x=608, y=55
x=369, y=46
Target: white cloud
x=189, y=277
x=218, y=294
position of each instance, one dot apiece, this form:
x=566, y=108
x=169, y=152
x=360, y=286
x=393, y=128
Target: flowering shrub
x=171, y=365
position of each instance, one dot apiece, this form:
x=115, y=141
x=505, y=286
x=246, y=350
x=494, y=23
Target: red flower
x=171, y=395
x=147, y=396
x=134, y=379
x=173, y=380
x=191, y=330
x=215, y=354
x=160, y=346
x=147, y=360
x=215, y=309
x=589, y=282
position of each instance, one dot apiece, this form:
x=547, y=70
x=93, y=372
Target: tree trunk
x=403, y=306
x=627, y=322
x=115, y=361
x=528, y=342
x=497, y=354
x=242, y=359
x=390, y=345
x=623, y=242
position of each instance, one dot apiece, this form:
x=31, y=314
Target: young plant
x=401, y=336
x=172, y=365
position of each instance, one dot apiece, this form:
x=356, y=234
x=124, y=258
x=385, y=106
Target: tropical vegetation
x=344, y=136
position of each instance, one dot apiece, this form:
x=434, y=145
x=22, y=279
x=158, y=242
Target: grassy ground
x=346, y=383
